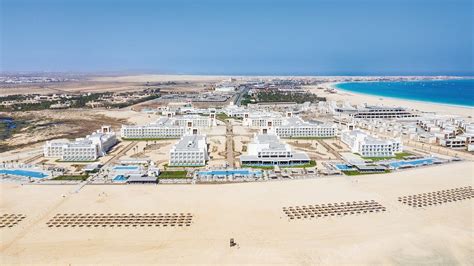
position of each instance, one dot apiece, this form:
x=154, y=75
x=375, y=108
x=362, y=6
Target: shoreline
x=334, y=86
x=361, y=98
x=405, y=99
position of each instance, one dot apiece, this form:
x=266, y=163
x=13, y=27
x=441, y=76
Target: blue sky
x=333, y=37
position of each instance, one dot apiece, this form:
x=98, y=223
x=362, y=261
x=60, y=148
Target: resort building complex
x=194, y=121
x=295, y=127
x=83, y=149
x=368, y=111
x=370, y=146
x=190, y=150
x=234, y=111
x=268, y=150
x=163, y=128
x=262, y=119
x=169, y=127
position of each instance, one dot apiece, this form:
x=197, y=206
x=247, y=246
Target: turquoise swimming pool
x=123, y=167
x=26, y=173
x=412, y=163
x=343, y=167
x=242, y=172
x=120, y=178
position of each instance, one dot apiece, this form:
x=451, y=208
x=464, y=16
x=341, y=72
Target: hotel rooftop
x=190, y=143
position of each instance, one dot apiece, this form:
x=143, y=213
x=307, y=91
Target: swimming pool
x=412, y=163
x=26, y=173
x=242, y=172
x=123, y=167
x=343, y=167
x=120, y=178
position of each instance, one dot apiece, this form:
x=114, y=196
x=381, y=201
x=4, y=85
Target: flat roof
x=296, y=157
x=141, y=178
x=189, y=142
x=370, y=167
x=295, y=121
x=352, y=158
x=273, y=141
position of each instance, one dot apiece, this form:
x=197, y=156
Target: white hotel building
x=82, y=149
x=169, y=127
x=268, y=150
x=193, y=121
x=369, y=146
x=369, y=111
x=190, y=150
x=163, y=128
x=262, y=119
x=234, y=111
x=295, y=127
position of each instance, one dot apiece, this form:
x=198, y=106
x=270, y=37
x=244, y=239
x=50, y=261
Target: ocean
x=453, y=92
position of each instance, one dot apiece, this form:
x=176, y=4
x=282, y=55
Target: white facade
x=234, y=111
x=458, y=142
x=170, y=127
x=193, y=121
x=369, y=146
x=295, y=127
x=225, y=89
x=267, y=149
x=163, y=128
x=83, y=149
x=369, y=111
x=262, y=119
x=190, y=150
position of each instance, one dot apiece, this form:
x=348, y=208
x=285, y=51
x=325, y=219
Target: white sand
x=356, y=98
x=250, y=213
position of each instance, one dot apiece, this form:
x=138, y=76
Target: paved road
x=122, y=152
x=238, y=99
x=229, y=143
x=34, y=158
x=110, y=161
x=329, y=148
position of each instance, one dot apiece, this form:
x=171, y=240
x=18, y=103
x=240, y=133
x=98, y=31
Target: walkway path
x=329, y=148
x=229, y=143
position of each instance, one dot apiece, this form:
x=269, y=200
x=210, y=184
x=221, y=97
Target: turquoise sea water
x=455, y=92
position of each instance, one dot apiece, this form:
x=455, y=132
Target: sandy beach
x=357, y=98
x=251, y=213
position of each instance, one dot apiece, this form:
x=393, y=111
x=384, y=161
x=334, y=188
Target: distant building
x=295, y=127
x=163, y=128
x=225, y=89
x=170, y=127
x=193, y=121
x=190, y=150
x=262, y=119
x=234, y=111
x=268, y=150
x=83, y=149
x=369, y=146
x=373, y=112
